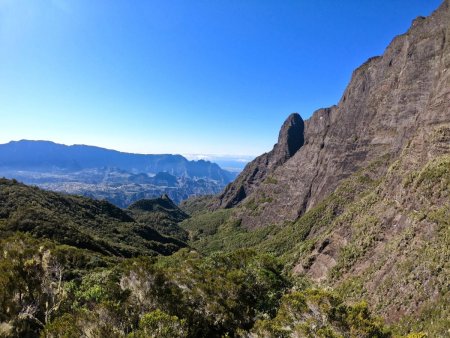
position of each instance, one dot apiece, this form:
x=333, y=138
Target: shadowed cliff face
x=290, y=140
x=389, y=100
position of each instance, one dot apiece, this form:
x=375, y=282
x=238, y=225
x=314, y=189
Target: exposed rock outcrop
x=290, y=140
x=388, y=100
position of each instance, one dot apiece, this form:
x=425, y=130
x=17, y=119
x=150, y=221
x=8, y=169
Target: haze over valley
x=335, y=224
x=120, y=178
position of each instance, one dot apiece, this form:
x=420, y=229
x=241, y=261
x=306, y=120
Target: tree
x=158, y=324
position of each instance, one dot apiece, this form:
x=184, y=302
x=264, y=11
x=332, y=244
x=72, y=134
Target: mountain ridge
x=290, y=140
x=80, y=222
x=45, y=155
x=362, y=207
x=377, y=115
x=342, y=227
x=121, y=178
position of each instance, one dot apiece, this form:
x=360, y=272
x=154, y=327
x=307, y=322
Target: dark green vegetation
x=365, y=240
x=72, y=266
x=78, y=221
x=67, y=271
x=342, y=230
x=60, y=291
x=75, y=267
x=219, y=230
x=319, y=313
x=63, y=291
x=161, y=214
x=364, y=255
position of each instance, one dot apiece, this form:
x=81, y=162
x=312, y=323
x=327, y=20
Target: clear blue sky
x=181, y=76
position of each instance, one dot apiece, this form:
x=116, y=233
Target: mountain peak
x=290, y=140
x=291, y=137
x=387, y=98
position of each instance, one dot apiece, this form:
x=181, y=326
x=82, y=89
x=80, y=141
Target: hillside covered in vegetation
x=80, y=222
x=50, y=289
x=342, y=230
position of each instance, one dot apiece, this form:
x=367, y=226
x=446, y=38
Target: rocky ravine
x=389, y=101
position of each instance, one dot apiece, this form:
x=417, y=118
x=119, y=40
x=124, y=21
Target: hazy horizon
x=200, y=78
x=229, y=162
x=189, y=156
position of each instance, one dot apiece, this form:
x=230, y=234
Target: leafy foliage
x=181, y=295
x=88, y=288
x=365, y=240
x=33, y=276
x=158, y=324
x=55, y=290
x=318, y=313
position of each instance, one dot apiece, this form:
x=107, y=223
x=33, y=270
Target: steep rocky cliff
x=290, y=140
x=390, y=99
x=363, y=206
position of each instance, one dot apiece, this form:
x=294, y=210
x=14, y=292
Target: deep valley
x=341, y=230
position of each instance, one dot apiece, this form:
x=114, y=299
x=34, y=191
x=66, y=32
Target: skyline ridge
x=164, y=70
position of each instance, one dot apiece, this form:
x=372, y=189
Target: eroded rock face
x=290, y=140
x=388, y=100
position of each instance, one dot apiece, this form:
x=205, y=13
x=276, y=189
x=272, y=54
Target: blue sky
x=178, y=76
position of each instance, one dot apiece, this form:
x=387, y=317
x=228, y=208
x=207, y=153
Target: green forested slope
x=64, y=272
x=81, y=222
x=382, y=236
x=161, y=214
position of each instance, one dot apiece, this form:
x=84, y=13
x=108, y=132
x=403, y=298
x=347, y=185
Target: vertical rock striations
x=389, y=100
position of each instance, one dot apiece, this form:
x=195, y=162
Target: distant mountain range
x=46, y=155
x=121, y=178
x=341, y=230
